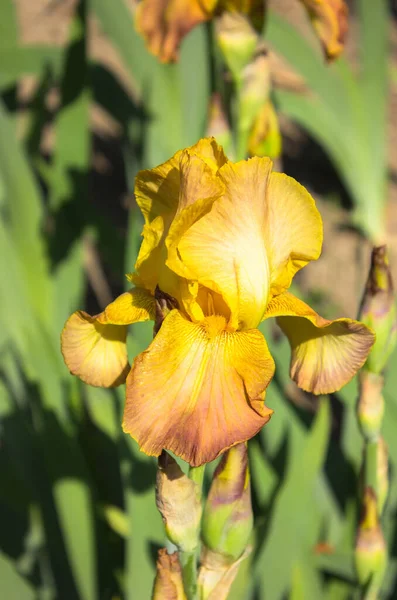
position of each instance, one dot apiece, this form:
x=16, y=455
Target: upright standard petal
x=225, y=249
x=325, y=354
x=293, y=230
x=198, y=389
x=94, y=348
x=162, y=194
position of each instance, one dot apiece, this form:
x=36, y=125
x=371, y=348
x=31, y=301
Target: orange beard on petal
x=198, y=389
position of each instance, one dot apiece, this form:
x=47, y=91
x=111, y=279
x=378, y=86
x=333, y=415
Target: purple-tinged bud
x=227, y=518
x=378, y=310
x=370, y=552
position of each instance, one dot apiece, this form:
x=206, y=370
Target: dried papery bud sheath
x=378, y=310
x=370, y=551
x=371, y=404
x=227, y=518
x=168, y=584
x=178, y=500
x=217, y=574
x=237, y=40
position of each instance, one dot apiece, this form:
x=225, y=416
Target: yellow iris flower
x=164, y=23
x=221, y=244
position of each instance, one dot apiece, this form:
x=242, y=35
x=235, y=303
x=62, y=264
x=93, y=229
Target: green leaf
x=13, y=585
x=117, y=22
x=293, y=524
x=27, y=60
x=72, y=145
x=8, y=25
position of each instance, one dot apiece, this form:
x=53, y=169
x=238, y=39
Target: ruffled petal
x=293, y=230
x=225, y=250
x=94, y=348
x=198, y=389
x=162, y=194
x=164, y=23
x=131, y=307
x=325, y=354
x=330, y=20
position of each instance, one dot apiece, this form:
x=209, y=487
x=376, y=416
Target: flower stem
x=188, y=560
x=371, y=458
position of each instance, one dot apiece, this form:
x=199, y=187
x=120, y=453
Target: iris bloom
x=164, y=23
x=221, y=244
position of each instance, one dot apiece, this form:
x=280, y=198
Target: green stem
x=371, y=467
x=189, y=559
x=188, y=562
x=196, y=474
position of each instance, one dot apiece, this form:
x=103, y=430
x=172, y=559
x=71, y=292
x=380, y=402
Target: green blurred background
x=83, y=107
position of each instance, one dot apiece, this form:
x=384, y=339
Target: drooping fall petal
x=164, y=23
x=325, y=354
x=198, y=389
x=94, y=348
x=293, y=230
x=329, y=18
x=225, y=249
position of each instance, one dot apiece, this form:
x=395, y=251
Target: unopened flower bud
x=178, y=500
x=218, y=126
x=168, y=584
x=227, y=519
x=255, y=89
x=378, y=310
x=371, y=405
x=265, y=138
x=382, y=474
x=237, y=40
x=370, y=552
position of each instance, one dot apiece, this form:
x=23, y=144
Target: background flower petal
x=293, y=230
x=325, y=354
x=198, y=389
x=164, y=23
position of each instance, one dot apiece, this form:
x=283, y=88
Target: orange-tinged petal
x=96, y=353
x=94, y=348
x=198, y=180
x=225, y=249
x=325, y=354
x=198, y=389
x=165, y=191
x=131, y=307
x=293, y=230
x=164, y=23
x=210, y=151
x=329, y=18
x=157, y=190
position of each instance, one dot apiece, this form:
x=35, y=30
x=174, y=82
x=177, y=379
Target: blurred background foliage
x=83, y=106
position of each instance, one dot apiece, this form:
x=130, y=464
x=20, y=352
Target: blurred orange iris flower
x=221, y=244
x=164, y=23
